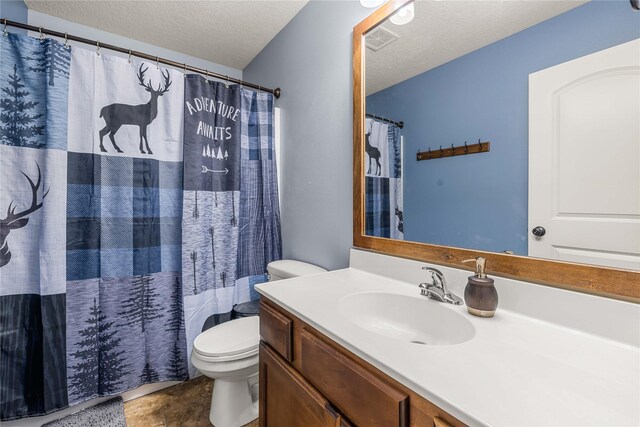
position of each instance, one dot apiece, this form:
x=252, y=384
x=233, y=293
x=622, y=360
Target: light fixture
x=404, y=15
x=371, y=3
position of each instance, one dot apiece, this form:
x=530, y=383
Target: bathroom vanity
x=360, y=346
x=310, y=380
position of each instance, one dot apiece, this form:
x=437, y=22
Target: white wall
x=47, y=21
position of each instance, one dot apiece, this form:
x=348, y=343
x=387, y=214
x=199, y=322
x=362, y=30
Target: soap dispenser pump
x=480, y=294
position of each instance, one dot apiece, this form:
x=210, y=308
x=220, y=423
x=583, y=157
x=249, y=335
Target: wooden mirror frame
x=603, y=281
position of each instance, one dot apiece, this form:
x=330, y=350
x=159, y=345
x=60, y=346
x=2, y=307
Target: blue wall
x=14, y=10
x=480, y=201
x=311, y=60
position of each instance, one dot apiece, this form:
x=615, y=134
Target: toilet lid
x=234, y=337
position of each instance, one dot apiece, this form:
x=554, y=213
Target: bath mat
x=106, y=414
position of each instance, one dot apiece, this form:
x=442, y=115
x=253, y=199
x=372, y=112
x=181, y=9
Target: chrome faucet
x=437, y=290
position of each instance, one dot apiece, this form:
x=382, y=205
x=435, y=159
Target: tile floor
x=183, y=405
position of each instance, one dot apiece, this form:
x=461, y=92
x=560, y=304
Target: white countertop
x=515, y=371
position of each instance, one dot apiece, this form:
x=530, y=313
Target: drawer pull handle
x=439, y=422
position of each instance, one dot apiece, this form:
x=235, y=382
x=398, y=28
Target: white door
x=584, y=159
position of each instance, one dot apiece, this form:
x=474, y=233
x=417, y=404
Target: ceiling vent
x=379, y=38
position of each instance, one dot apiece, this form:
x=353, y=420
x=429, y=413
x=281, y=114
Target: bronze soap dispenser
x=480, y=295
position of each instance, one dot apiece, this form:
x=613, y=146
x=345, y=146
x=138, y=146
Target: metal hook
x=157, y=65
x=452, y=149
x=207, y=75
x=41, y=35
x=466, y=149
x=98, y=47
x=66, y=40
x=4, y=30
x=429, y=150
x=184, y=68
x=441, y=151
x=129, y=59
x=480, y=144
x=226, y=84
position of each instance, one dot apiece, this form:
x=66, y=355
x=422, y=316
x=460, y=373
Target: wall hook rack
x=461, y=150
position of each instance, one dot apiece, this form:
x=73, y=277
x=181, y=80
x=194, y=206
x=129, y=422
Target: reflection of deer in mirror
x=116, y=115
x=373, y=153
x=15, y=220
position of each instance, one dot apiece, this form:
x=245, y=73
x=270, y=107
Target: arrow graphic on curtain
x=206, y=169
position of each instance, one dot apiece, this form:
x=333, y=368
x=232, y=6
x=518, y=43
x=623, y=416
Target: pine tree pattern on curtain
x=33, y=129
x=124, y=175
x=104, y=275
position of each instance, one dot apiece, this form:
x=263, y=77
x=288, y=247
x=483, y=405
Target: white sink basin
x=413, y=319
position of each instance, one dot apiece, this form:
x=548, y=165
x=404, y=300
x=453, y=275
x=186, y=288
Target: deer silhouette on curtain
x=94, y=299
x=117, y=115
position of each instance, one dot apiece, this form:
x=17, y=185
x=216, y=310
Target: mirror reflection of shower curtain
x=383, y=180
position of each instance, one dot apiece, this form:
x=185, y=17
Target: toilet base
x=234, y=403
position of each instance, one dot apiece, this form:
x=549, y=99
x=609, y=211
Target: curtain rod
x=384, y=119
x=6, y=22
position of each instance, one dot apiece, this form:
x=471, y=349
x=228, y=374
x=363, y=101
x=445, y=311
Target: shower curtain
x=34, y=82
x=383, y=180
x=230, y=208
x=93, y=295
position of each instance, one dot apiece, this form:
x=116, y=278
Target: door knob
x=539, y=231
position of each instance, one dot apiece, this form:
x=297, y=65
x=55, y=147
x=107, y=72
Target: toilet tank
x=288, y=268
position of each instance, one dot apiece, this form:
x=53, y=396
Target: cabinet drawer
x=363, y=397
x=276, y=329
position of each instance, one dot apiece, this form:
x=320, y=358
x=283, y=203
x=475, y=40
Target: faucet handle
x=436, y=276
x=438, y=289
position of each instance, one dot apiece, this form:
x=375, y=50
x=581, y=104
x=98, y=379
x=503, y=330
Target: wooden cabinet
x=306, y=379
x=361, y=395
x=276, y=329
x=287, y=399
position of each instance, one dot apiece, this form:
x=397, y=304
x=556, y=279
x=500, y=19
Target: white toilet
x=228, y=353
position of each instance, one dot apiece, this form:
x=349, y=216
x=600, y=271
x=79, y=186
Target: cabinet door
x=287, y=399
x=359, y=394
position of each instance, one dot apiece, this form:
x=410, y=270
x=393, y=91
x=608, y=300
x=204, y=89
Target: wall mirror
x=507, y=129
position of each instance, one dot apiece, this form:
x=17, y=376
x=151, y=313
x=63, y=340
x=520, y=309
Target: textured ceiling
x=444, y=30
x=230, y=33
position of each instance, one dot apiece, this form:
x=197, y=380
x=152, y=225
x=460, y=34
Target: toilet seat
x=228, y=358
x=234, y=340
